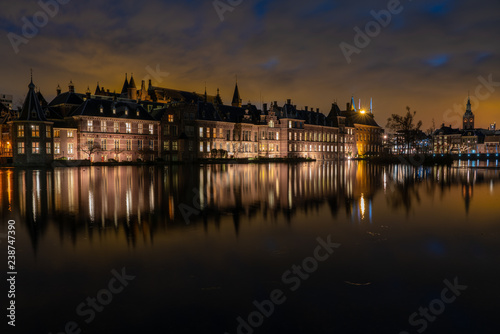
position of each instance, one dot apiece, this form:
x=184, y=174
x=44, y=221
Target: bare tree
x=90, y=148
x=406, y=126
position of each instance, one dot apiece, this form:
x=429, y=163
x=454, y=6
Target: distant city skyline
x=429, y=56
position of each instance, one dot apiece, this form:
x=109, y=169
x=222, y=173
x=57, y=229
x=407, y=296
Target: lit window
x=48, y=131
x=139, y=130
x=104, y=126
x=104, y=144
x=201, y=147
x=35, y=131
x=128, y=127
x=166, y=145
x=116, y=127
x=117, y=144
x=90, y=126
x=70, y=133
x=57, y=133
x=174, y=146
x=170, y=118
x=129, y=145
x=151, y=129
x=35, y=147
x=48, y=148
x=201, y=133
x=57, y=148
x=289, y=124
x=20, y=148
x=20, y=130
x=208, y=132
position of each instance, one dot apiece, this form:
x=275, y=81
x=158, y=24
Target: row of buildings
x=152, y=123
x=448, y=140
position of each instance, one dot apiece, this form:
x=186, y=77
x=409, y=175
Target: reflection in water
x=142, y=201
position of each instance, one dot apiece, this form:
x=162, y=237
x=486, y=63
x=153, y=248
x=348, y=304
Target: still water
x=306, y=248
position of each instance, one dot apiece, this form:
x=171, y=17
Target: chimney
x=317, y=110
x=276, y=103
x=149, y=84
x=348, y=106
x=264, y=106
x=58, y=90
x=289, y=101
x=71, y=87
x=307, y=108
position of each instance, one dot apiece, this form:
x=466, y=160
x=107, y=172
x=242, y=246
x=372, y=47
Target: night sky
x=428, y=56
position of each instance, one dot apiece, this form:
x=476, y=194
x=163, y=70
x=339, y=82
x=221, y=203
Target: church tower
x=468, y=118
x=236, y=97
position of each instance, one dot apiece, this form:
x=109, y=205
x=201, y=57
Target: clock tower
x=468, y=118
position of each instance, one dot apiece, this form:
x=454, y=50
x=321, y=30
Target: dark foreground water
x=307, y=248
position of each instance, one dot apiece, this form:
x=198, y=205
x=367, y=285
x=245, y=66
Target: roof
x=127, y=110
x=159, y=93
x=32, y=110
x=67, y=98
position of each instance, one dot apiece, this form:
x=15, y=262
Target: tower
x=468, y=118
x=132, y=89
x=32, y=133
x=236, y=97
x=124, y=92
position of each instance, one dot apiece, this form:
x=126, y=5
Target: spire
x=236, y=96
x=218, y=99
x=125, y=86
x=97, y=89
x=32, y=110
x=132, y=82
x=371, y=105
x=353, y=105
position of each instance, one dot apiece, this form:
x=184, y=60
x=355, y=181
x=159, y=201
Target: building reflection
x=142, y=202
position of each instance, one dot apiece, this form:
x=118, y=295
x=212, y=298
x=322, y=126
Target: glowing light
x=363, y=111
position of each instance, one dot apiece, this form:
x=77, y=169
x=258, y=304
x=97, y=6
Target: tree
x=90, y=148
x=405, y=126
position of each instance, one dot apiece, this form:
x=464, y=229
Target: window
x=215, y=133
x=208, y=132
x=104, y=126
x=151, y=129
x=57, y=133
x=90, y=144
x=271, y=124
x=277, y=136
x=116, y=127
x=166, y=130
x=170, y=118
x=35, y=147
x=208, y=147
x=104, y=144
x=48, y=148
x=48, y=131
x=220, y=134
x=20, y=148
x=152, y=145
x=129, y=145
x=57, y=148
x=20, y=130
x=190, y=146
x=174, y=130
x=166, y=145
x=289, y=124
x=139, y=128
x=289, y=136
x=201, y=147
x=128, y=127
x=174, y=146
x=139, y=144
x=35, y=131
x=90, y=126
x=70, y=134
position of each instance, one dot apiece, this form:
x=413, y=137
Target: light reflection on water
x=402, y=229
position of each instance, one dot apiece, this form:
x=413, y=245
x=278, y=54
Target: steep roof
x=125, y=86
x=127, y=110
x=32, y=110
x=236, y=95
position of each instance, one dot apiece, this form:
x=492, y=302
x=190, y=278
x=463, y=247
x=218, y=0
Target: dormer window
x=137, y=113
x=101, y=109
x=114, y=110
x=126, y=111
